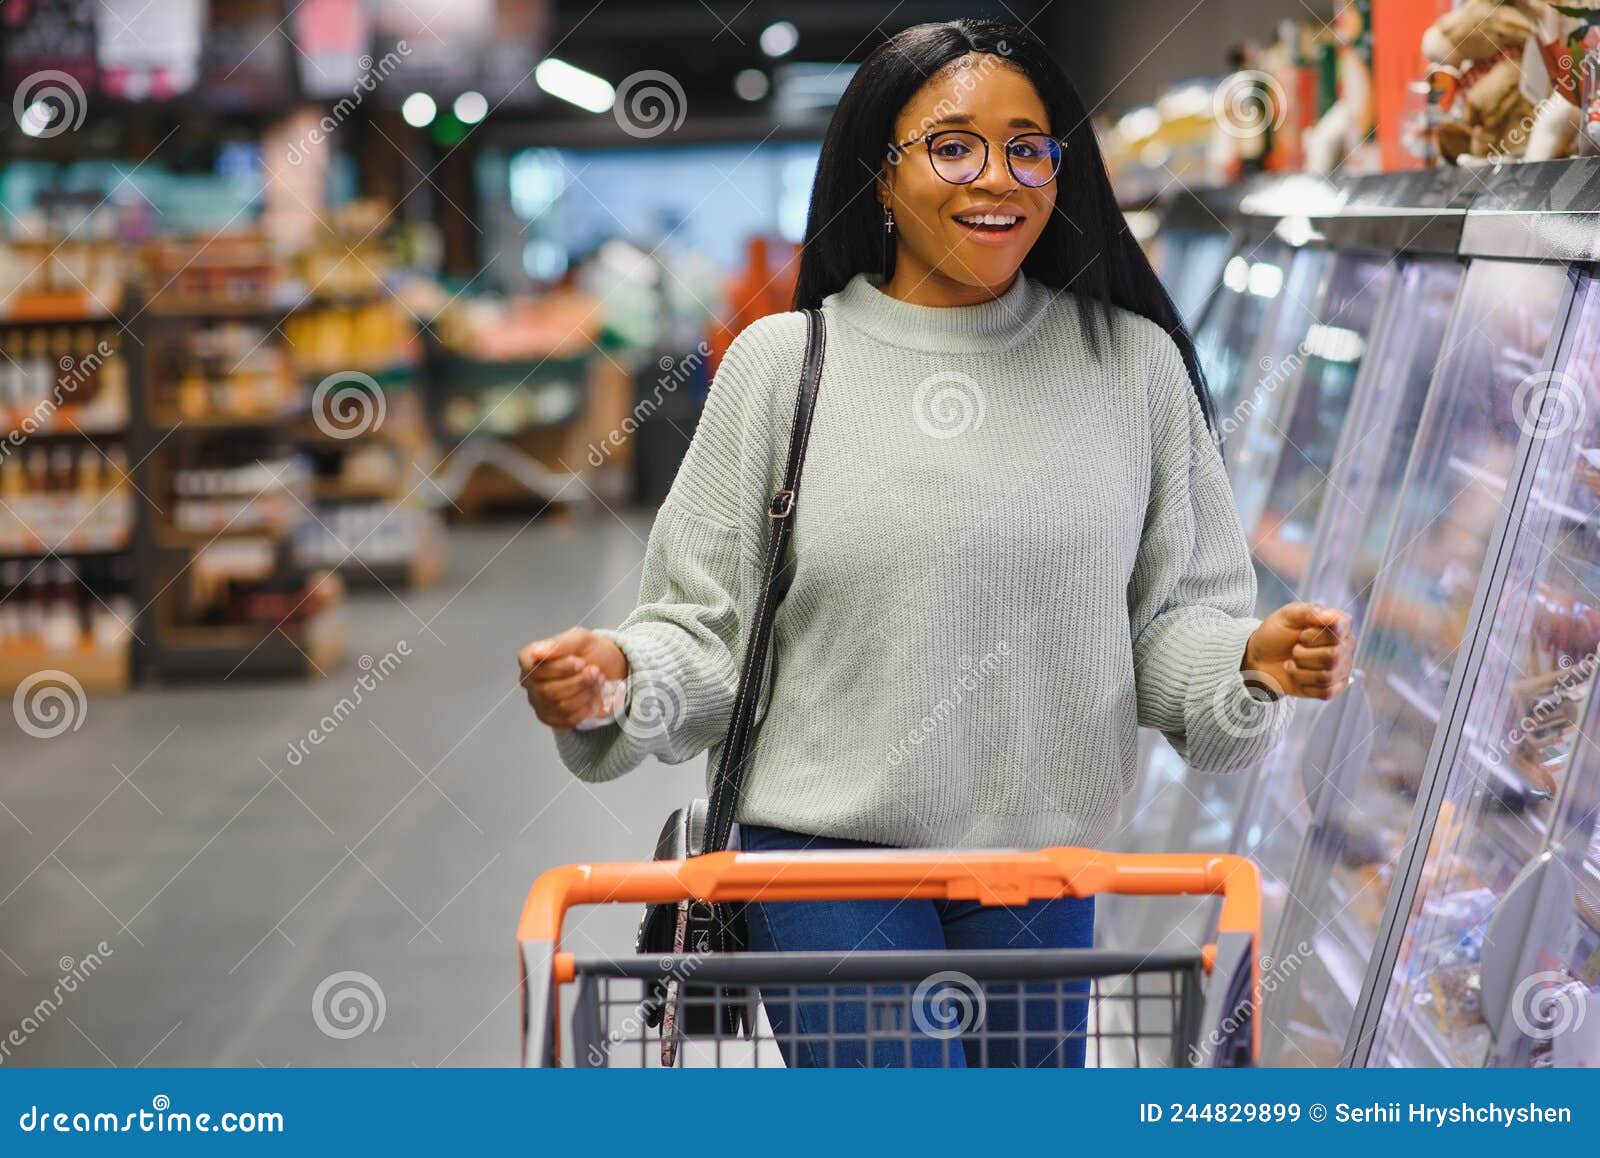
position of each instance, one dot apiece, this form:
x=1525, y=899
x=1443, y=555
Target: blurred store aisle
x=233, y=859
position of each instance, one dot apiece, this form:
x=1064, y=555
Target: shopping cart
x=877, y=1007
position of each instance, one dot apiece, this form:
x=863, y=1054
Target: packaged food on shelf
x=214, y=273
x=64, y=498
x=371, y=337
x=219, y=370
x=66, y=265
x=69, y=615
x=61, y=378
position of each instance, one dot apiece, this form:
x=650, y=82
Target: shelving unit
x=215, y=393
x=66, y=503
x=367, y=438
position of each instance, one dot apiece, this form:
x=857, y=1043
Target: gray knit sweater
x=1007, y=556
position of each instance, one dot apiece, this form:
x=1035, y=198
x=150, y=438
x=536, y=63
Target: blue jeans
x=932, y=1022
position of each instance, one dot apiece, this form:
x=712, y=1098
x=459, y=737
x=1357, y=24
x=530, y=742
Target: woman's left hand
x=1304, y=649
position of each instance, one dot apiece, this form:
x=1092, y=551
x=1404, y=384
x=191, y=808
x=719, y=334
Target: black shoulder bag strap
x=780, y=516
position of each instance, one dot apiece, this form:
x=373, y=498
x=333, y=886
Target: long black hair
x=1086, y=245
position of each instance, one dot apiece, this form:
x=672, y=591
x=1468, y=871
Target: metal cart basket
x=1047, y=1007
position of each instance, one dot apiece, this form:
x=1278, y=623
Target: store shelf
x=93, y=669
x=165, y=421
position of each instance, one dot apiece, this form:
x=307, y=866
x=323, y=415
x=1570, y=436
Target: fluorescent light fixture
x=419, y=110
x=1236, y=275
x=471, y=107
x=1335, y=343
x=1266, y=279
x=779, y=38
x=1297, y=231
x=575, y=86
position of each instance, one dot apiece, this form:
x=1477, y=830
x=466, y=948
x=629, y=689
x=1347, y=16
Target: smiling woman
x=1010, y=490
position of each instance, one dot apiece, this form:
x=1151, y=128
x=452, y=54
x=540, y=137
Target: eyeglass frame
x=927, y=139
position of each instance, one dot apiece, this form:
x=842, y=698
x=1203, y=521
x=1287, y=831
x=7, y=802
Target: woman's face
x=985, y=95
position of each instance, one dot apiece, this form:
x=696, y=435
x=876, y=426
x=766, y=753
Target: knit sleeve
x=684, y=639
x=1193, y=592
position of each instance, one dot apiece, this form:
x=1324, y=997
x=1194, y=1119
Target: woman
x=1014, y=545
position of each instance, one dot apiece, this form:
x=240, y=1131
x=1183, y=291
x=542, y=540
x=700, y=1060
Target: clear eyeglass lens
x=1034, y=158
x=959, y=156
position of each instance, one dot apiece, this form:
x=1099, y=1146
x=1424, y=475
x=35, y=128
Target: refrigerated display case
x=1487, y=950
x=1373, y=743
x=1417, y=217
x=1252, y=425
x=1242, y=307
x=1193, y=241
x=1516, y=756
x=1494, y=935
x=1190, y=262
x=1348, y=544
x=1326, y=361
x=1250, y=344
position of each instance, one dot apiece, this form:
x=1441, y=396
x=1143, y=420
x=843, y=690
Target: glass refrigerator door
x=1510, y=789
x=1331, y=351
x=1348, y=546
x=1252, y=283
x=1318, y=389
x=1180, y=810
x=1190, y=264
x=1405, y=655
x=1252, y=421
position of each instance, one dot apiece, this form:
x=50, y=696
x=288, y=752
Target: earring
x=888, y=219
x=888, y=242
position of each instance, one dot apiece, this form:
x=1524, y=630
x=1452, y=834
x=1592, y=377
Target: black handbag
x=705, y=825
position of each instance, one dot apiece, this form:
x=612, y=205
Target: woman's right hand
x=565, y=675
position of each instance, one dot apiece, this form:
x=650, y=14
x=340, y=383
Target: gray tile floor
x=228, y=883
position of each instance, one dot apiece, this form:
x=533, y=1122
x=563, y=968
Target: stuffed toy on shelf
x=1504, y=80
x=1481, y=44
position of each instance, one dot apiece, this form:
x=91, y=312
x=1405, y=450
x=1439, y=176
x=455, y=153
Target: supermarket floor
x=229, y=880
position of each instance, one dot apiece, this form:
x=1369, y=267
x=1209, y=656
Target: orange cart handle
x=991, y=878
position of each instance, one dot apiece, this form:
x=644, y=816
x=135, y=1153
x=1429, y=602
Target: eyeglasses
x=960, y=156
